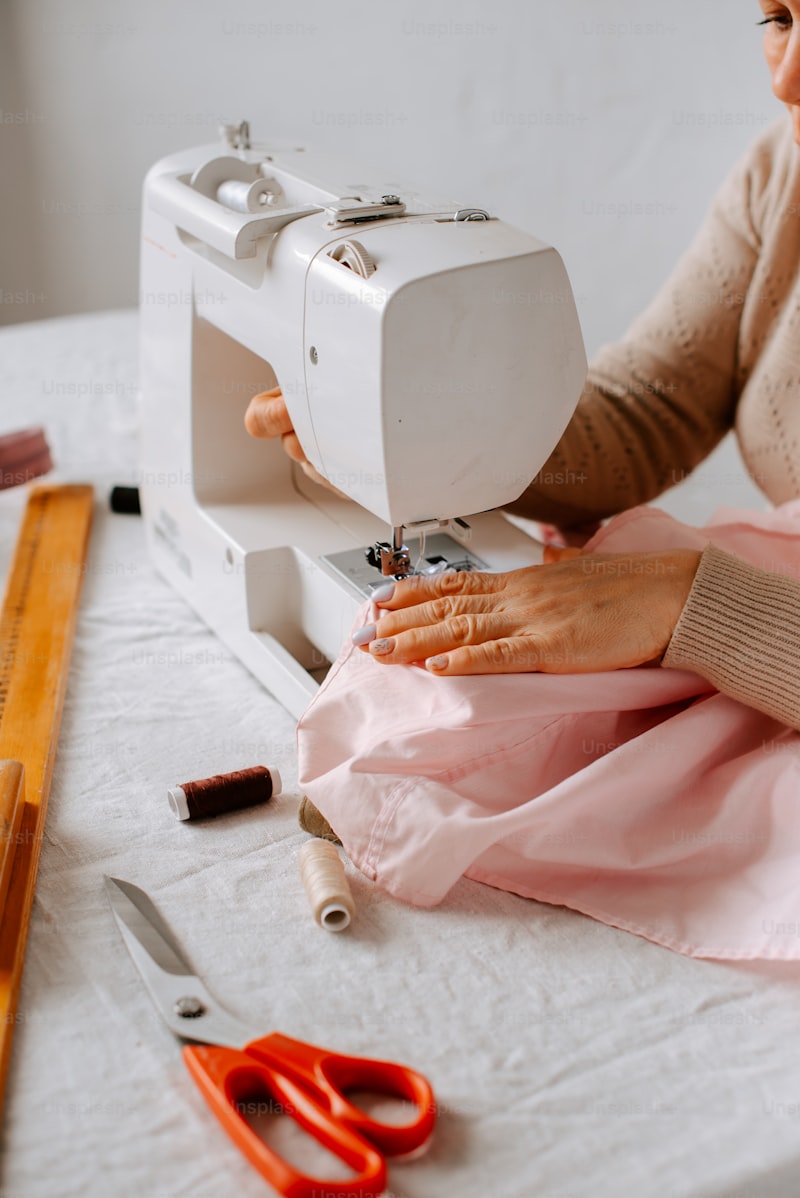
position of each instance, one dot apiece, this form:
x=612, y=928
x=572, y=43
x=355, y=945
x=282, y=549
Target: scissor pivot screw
x=189, y=1008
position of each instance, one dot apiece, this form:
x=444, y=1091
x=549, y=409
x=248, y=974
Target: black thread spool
x=224, y=792
x=125, y=500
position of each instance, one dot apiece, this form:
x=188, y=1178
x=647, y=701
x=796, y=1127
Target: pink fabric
x=642, y=798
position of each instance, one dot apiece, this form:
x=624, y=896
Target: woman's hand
x=576, y=614
x=267, y=416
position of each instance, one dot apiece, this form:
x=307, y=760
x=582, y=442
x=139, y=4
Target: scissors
x=309, y=1084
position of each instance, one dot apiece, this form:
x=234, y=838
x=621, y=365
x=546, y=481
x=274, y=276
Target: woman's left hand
x=577, y=613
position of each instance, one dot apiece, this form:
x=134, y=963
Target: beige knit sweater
x=718, y=348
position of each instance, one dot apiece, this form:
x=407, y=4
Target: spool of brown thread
x=224, y=792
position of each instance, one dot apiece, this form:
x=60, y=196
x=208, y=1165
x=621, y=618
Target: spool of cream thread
x=224, y=792
x=246, y=197
x=326, y=885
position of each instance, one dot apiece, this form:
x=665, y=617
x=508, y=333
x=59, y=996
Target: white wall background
x=602, y=126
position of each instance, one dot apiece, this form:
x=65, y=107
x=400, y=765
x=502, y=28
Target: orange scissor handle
x=309, y=1084
x=330, y=1076
x=232, y=1082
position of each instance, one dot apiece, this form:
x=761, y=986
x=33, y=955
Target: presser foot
x=440, y=553
x=393, y=561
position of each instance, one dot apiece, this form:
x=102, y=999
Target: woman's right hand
x=267, y=416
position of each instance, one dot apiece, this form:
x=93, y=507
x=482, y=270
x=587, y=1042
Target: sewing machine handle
x=232, y=233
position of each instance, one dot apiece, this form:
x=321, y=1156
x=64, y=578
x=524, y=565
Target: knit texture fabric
x=739, y=629
x=718, y=348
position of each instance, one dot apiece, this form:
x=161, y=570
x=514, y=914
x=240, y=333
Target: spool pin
x=224, y=792
x=326, y=885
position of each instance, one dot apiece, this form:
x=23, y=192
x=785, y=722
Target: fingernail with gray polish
x=382, y=593
x=436, y=663
x=363, y=636
x=384, y=645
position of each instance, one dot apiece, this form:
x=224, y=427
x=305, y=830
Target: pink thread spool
x=23, y=455
x=224, y=792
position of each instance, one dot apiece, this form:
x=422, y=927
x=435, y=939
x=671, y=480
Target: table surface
x=568, y=1058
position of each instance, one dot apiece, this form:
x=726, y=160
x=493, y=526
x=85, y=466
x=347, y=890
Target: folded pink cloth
x=641, y=797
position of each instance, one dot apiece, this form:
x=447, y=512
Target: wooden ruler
x=36, y=627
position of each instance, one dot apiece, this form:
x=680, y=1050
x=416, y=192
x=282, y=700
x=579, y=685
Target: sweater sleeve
x=740, y=629
x=658, y=402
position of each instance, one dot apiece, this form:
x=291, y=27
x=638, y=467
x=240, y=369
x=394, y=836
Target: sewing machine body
x=429, y=362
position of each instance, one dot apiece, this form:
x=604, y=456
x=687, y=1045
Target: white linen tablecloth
x=568, y=1058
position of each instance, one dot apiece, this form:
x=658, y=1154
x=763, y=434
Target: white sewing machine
x=430, y=358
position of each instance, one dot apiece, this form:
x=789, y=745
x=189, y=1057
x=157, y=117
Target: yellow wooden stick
x=36, y=628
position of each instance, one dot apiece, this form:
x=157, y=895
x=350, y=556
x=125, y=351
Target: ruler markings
x=36, y=631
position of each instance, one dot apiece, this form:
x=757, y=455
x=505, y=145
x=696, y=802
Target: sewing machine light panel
x=418, y=363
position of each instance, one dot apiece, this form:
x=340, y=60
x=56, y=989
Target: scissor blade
x=180, y=996
x=136, y=914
